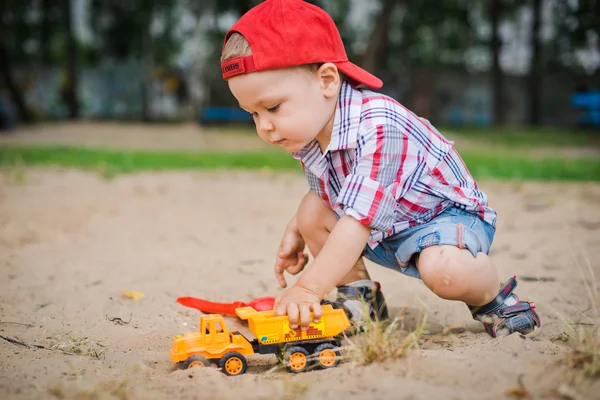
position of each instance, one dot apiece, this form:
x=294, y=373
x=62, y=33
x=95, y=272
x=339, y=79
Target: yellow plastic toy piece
x=130, y=294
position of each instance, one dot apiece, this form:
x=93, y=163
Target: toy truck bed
x=269, y=329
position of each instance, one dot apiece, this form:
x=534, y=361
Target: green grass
x=510, y=137
x=500, y=165
x=523, y=137
x=518, y=167
x=115, y=162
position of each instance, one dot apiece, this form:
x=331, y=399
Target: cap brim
x=359, y=75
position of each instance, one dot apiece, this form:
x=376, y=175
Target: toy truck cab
x=212, y=343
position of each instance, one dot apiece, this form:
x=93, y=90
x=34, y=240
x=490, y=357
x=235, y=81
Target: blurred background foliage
x=455, y=61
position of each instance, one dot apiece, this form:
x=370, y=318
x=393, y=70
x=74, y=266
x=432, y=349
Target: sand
x=71, y=242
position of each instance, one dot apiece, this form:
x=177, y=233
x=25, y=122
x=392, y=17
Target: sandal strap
x=355, y=292
x=505, y=291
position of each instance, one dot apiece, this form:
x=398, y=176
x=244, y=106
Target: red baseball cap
x=287, y=33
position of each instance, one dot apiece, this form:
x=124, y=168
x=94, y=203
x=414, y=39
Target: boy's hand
x=290, y=256
x=297, y=302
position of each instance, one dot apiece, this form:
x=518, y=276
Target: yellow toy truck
x=298, y=349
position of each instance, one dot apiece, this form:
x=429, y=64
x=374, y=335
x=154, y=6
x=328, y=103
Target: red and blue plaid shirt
x=388, y=168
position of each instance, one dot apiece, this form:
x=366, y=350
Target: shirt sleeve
x=387, y=163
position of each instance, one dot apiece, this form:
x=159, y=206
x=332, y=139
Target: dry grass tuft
x=585, y=356
x=71, y=345
x=382, y=340
x=584, y=335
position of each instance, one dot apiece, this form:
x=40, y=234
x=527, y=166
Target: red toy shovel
x=209, y=307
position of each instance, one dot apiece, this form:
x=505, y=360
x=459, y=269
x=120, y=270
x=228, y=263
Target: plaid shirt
x=388, y=168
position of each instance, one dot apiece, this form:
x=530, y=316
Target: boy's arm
x=339, y=254
x=290, y=254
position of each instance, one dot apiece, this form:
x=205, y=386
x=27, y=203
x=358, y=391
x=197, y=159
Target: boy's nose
x=265, y=126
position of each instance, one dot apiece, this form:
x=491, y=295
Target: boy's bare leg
x=315, y=222
x=454, y=274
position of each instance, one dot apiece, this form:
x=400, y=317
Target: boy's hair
x=237, y=46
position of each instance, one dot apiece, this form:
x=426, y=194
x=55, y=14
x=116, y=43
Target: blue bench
x=589, y=104
x=211, y=115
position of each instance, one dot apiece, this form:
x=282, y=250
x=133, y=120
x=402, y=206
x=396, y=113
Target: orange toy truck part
x=213, y=343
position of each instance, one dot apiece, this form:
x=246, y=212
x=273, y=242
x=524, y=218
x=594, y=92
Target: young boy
x=384, y=183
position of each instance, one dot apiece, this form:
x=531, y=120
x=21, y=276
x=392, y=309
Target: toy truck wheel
x=327, y=355
x=297, y=359
x=233, y=364
x=195, y=362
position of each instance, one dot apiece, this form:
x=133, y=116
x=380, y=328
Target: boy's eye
x=273, y=109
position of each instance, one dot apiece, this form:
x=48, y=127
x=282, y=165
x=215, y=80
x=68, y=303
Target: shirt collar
x=345, y=124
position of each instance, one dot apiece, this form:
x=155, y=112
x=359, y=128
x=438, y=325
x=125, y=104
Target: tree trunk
x=245, y=6
x=146, y=58
x=497, y=76
x=14, y=91
x=72, y=81
x=379, y=36
x=536, y=67
x=45, y=34
x=9, y=81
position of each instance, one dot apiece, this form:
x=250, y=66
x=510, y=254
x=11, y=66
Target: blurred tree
x=137, y=31
x=38, y=33
x=14, y=91
x=495, y=12
x=536, y=68
x=429, y=33
x=379, y=36
x=239, y=7
x=495, y=15
x=14, y=35
x=69, y=90
x=421, y=36
x=577, y=22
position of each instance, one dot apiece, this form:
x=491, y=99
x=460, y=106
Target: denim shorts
x=452, y=227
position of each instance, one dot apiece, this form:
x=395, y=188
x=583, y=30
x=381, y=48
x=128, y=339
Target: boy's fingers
x=279, y=274
x=294, y=269
x=304, y=316
x=298, y=265
x=302, y=258
x=279, y=310
x=285, y=250
x=317, y=312
x=293, y=314
x=281, y=280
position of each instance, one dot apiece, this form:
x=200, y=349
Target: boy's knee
x=314, y=214
x=439, y=267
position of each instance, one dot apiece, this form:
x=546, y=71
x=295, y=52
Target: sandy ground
x=71, y=242
x=115, y=135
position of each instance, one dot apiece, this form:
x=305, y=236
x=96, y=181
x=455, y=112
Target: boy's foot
x=506, y=314
x=362, y=301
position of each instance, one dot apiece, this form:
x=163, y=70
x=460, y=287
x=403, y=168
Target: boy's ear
x=329, y=79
